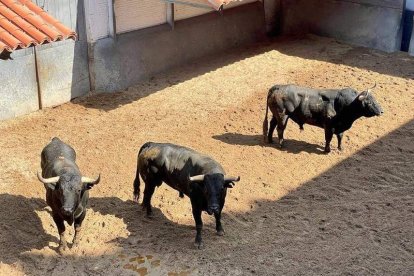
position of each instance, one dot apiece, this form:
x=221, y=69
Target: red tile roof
x=23, y=24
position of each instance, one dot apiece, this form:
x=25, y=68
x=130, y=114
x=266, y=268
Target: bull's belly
x=301, y=120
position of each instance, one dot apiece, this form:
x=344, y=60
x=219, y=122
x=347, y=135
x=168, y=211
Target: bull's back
x=56, y=148
x=55, y=155
x=175, y=163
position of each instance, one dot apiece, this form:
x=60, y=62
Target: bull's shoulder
x=346, y=96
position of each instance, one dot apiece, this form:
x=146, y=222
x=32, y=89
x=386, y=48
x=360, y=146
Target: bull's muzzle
x=68, y=211
x=213, y=210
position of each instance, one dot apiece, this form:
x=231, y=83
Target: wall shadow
x=290, y=145
x=20, y=227
x=355, y=218
x=138, y=224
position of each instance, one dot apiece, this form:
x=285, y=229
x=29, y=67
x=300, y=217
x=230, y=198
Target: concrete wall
x=62, y=67
x=18, y=89
x=139, y=55
x=273, y=16
x=371, y=23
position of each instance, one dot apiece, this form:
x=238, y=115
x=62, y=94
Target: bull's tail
x=137, y=183
x=265, y=122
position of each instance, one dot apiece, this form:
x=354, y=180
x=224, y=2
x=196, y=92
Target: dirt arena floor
x=296, y=211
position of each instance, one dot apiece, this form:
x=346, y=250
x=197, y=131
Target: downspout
x=39, y=93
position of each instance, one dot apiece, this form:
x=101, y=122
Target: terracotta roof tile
x=23, y=24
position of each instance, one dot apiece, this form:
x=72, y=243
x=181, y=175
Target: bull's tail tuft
x=136, y=185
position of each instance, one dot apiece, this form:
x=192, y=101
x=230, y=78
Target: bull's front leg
x=219, y=227
x=199, y=227
x=328, y=139
x=339, y=136
x=61, y=229
x=78, y=224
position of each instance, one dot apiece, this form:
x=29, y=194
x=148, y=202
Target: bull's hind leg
x=148, y=192
x=61, y=229
x=281, y=126
x=273, y=123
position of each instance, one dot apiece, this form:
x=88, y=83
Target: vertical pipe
x=39, y=93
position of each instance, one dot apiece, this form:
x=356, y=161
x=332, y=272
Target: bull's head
x=214, y=188
x=370, y=106
x=70, y=189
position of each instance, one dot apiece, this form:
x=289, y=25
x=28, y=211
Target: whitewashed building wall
x=133, y=15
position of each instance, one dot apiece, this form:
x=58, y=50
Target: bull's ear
x=89, y=182
x=196, y=185
x=362, y=95
x=88, y=186
x=229, y=185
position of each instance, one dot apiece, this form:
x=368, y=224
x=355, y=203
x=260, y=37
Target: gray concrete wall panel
x=18, y=89
x=139, y=55
x=63, y=72
x=63, y=66
x=369, y=23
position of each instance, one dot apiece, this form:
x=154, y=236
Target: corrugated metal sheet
x=184, y=11
x=24, y=24
x=138, y=14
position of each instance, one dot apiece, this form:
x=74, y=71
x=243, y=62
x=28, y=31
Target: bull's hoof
x=327, y=150
x=340, y=148
x=75, y=242
x=62, y=248
x=220, y=232
x=135, y=198
x=199, y=245
x=150, y=215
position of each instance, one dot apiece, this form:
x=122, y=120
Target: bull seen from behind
x=334, y=110
x=67, y=191
x=195, y=175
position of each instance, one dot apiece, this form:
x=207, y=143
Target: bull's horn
x=231, y=179
x=370, y=89
x=47, y=180
x=90, y=180
x=199, y=177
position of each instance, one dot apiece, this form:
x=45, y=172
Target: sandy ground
x=295, y=211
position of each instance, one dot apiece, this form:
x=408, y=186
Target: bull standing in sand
x=335, y=110
x=195, y=175
x=66, y=189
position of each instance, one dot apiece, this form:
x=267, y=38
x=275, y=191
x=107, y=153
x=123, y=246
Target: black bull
x=66, y=190
x=198, y=176
x=335, y=110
